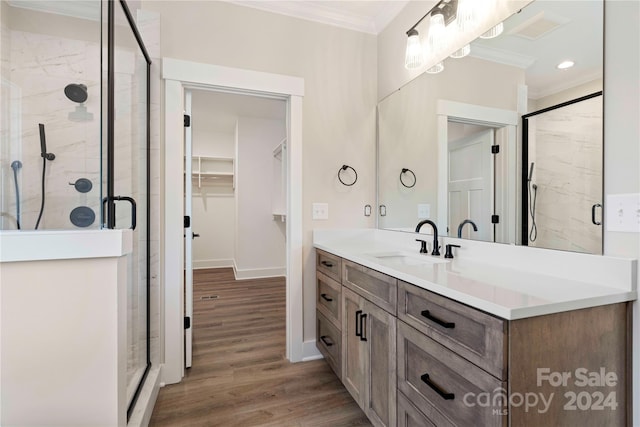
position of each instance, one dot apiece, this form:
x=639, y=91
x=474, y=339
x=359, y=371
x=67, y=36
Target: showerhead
x=530, y=171
x=76, y=92
x=16, y=164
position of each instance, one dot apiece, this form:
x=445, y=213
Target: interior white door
x=188, y=236
x=470, y=185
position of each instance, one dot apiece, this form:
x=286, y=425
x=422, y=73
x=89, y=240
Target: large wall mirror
x=503, y=145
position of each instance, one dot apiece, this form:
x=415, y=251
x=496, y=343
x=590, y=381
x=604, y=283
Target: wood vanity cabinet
x=329, y=314
x=369, y=357
x=411, y=357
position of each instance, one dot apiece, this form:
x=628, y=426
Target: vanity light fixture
x=441, y=15
x=565, y=65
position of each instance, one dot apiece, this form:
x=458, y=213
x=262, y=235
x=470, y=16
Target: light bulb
x=436, y=68
x=436, y=32
x=466, y=15
x=565, y=65
x=462, y=52
x=493, y=32
x=414, y=57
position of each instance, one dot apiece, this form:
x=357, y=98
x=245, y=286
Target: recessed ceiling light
x=565, y=64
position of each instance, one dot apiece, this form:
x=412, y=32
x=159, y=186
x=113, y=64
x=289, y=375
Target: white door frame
x=179, y=75
x=506, y=166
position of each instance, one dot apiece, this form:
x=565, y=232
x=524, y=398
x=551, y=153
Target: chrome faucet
x=466, y=221
x=436, y=251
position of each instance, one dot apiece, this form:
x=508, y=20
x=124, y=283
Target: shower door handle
x=593, y=214
x=126, y=199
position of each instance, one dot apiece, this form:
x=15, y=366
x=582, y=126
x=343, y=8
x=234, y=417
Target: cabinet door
x=354, y=349
x=380, y=335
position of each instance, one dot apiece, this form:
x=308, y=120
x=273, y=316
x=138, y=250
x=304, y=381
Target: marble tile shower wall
x=39, y=68
x=568, y=173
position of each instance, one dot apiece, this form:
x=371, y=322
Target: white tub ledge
x=42, y=245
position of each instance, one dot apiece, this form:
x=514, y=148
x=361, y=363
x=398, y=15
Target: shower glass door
x=127, y=183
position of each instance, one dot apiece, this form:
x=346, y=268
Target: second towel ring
x=405, y=170
x=344, y=168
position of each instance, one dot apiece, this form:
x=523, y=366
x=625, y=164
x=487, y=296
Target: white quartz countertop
x=510, y=282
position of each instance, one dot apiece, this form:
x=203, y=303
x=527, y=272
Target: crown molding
x=502, y=56
x=329, y=13
x=564, y=85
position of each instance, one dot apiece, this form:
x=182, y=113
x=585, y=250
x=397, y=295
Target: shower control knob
x=82, y=185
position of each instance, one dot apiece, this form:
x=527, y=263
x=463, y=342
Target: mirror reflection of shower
x=77, y=92
x=15, y=165
x=533, y=192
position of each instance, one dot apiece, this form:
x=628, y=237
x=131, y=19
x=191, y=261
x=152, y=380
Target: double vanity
x=498, y=335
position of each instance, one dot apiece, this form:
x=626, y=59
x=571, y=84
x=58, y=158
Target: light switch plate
x=623, y=212
x=320, y=211
x=424, y=210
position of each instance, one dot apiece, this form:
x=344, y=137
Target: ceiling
x=222, y=110
x=359, y=15
x=542, y=35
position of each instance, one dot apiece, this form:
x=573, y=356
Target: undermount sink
x=399, y=258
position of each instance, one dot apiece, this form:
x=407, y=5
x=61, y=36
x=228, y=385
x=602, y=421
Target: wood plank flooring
x=240, y=376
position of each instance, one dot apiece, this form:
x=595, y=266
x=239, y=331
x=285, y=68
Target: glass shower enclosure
x=74, y=135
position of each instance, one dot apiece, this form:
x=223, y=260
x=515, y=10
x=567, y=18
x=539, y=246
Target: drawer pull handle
x=327, y=264
x=363, y=324
x=358, y=323
x=324, y=340
x=326, y=298
x=436, y=388
x=444, y=324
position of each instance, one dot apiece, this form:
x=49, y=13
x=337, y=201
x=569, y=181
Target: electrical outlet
x=623, y=212
x=320, y=211
x=424, y=210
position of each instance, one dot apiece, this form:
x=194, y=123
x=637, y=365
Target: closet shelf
x=213, y=170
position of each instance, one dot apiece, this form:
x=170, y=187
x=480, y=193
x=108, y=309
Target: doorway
x=233, y=189
x=180, y=76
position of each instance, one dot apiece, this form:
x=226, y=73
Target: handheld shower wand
x=15, y=165
x=45, y=156
x=533, y=192
x=43, y=145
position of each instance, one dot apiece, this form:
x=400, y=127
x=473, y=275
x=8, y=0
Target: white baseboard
x=212, y=263
x=258, y=273
x=146, y=400
x=310, y=351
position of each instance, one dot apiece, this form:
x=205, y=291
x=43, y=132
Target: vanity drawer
x=329, y=264
x=378, y=288
x=329, y=342
x=328, y=297
x=473, y=334
x=444, y=385
x=410, y=416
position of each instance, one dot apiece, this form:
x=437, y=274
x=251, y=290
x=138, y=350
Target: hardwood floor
x=240, y=376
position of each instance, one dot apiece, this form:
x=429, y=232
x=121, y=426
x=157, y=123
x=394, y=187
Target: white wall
x=213, y=206
x=622, y=138
x=260, y=240
x=339, y=69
